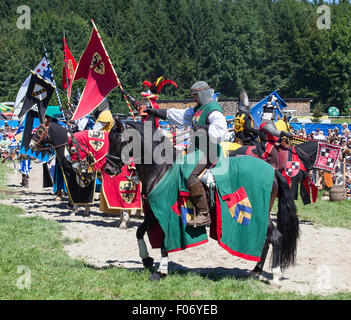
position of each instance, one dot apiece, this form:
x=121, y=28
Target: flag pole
x=53, y=81
x=113, y=69
x=39, y=76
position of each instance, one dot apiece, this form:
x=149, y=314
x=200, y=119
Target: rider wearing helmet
x=205, y=118
x=245, y=133
x=271, y=133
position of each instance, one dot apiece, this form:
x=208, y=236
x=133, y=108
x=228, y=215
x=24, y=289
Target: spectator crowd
x=337, y=137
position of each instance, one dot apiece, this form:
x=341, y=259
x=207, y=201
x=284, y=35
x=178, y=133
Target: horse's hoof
x=275, y=284
x=255, y=275
x=157, y=276
x=148, y=262
x=123, y=226
x=256, y=272
x=263, y=278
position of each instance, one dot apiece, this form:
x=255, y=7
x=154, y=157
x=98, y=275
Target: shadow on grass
x=175, y=269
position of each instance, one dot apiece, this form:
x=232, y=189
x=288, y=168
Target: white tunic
x=218, y=124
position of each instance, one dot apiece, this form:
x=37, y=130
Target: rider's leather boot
x=198, y=197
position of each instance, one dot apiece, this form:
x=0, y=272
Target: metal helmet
x=243, y=101
x=269, y=108
x=204, y=91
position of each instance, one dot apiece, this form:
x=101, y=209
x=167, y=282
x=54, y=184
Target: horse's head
x=41, y=136
x=114, y=162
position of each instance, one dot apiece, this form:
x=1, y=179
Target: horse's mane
x=58, y=137
x=149, y=172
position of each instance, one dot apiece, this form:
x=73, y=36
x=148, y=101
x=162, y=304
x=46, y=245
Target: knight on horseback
x=205, y=118
x=245, y=132
x=272, y=135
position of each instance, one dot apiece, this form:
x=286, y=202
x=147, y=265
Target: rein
x=52, y=147
x=314, y=140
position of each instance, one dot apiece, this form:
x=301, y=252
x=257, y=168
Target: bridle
x=116, y=164
x=42, y=132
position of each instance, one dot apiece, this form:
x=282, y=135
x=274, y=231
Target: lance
x=298, y=138
x=114, y=71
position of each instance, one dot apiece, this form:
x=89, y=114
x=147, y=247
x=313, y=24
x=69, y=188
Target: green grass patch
x=4, y=171
x=324, y=213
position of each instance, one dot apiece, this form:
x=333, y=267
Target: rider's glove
x=160, y=113
x=262, y=136
x=136, y=104
x=286, y=134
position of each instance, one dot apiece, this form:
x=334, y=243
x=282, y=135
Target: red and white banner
x=327, y=156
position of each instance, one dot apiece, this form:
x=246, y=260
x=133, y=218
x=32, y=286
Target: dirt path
x=323, y=257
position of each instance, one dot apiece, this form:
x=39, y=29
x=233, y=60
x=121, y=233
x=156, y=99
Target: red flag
x=94, y=66
x=69, y=66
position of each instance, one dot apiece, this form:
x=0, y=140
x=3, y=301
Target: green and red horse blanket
x=241, y=200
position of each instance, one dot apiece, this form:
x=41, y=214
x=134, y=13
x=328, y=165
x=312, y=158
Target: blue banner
x=257, y=110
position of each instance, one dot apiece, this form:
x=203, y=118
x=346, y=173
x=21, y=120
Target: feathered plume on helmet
x=157, y=86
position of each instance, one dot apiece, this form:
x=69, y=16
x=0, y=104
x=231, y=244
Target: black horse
x=52, y=135
x=283, y=237
x=304, y=154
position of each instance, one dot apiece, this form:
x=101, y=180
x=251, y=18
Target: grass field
x=324, y=213
x=33, y=265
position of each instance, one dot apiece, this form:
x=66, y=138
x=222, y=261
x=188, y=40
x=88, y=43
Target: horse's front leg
x=143, y=253
x=162, y=270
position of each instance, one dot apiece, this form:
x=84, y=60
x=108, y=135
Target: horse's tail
x=287, y=222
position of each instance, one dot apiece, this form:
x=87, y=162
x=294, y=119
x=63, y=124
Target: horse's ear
x=46, y=121
x=118, y=124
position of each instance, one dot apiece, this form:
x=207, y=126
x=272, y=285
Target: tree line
x=256, y=45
